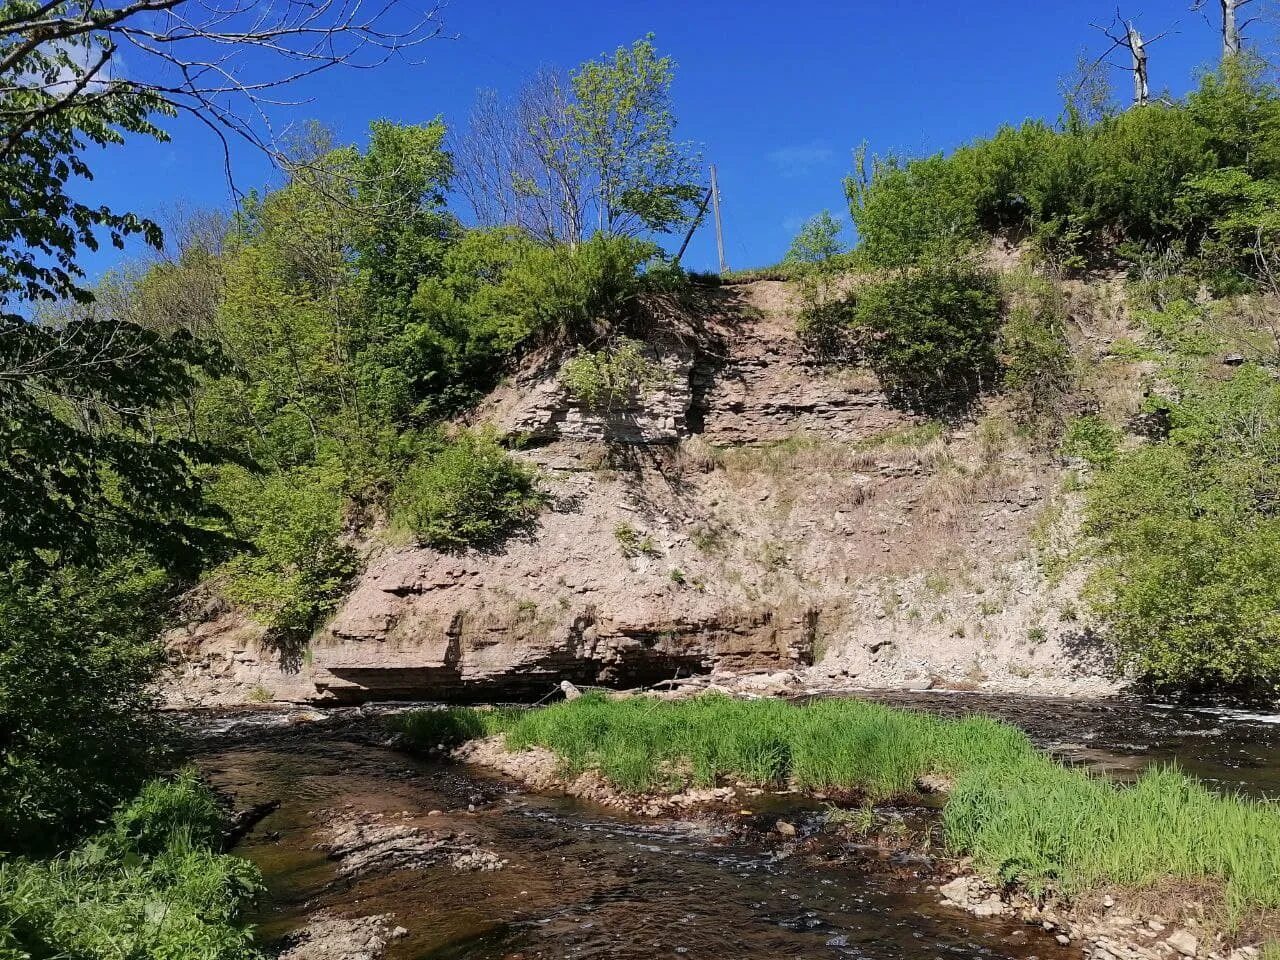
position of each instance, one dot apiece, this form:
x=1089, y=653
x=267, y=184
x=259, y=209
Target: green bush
x=1035, y=353
x=930, y=335
x=151, y=887
x=1189, y=541
x=616, y=374
x=78, y=663
x=1091, y=439
x=299, y=560
x=468, y=493
x=1200, y=176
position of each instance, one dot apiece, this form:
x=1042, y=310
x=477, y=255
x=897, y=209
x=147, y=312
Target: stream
x=577, y=880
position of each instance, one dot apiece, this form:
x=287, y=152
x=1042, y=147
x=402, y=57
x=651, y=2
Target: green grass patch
x=1022, y=816
x=151, y=886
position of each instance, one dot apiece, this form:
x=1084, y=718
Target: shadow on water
x=581, y=881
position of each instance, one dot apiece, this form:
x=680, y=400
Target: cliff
x=753, y=511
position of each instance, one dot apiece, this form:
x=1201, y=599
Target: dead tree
x=1124, y=34
x=516, y=163
x=1232, y=26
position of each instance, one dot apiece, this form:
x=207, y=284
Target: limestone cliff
x=752, y=512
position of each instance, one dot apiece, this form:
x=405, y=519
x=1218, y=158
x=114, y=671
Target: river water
x=583, y=881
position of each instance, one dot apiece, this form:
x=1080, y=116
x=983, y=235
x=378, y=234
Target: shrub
x=78, y=661
x=1199, y=175
x=165, y=812
x=909, y=211
x=151, y=887
x=603, y=379
x=568, y=290
x=1091, y=439
x=633, y=543
x=468, y=493
x=299, y=561
x=930, y=336
x=1035, y=352
x=1189, y=540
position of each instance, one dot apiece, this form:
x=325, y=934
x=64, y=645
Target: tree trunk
x=1141, y=88
x=1230, y=29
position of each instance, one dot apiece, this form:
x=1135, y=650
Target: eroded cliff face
x=752, y=512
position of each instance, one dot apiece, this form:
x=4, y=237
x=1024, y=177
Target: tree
x=517, y=163
x=83, y=452
x=76, y=72
x=638, y=176
x=1232, y=28
x=817, y=242
x=594, y=153
x=1087, y=93
x=1125, y=34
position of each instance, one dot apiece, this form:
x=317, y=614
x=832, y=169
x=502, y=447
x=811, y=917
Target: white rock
x=1184, y=942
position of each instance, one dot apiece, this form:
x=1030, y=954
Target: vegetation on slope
x=1023, y=817
x=241, y=410
x=151, y=884
x=1183, y=196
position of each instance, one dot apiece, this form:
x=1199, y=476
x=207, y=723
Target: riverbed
x=576, y=880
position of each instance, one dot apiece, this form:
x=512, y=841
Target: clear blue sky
x=776, y=94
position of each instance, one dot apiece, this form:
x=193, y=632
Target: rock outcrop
x=751, y=512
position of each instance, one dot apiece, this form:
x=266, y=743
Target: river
x=583, y=881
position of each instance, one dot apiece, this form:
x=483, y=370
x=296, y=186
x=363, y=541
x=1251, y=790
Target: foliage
x=500, y=291
x=930, y=335
x=571, y=157
x=1035, y=354
x=299, y=560
x=1199, y=175
x=1092, y=439
x=320, y=276
x=77, y=664
x=150, y=887
x=633, y=543
x=826, y=323
x=469, y=492
x=907, y=212
x=1188, y=536
x=80, y=456
x=1022, y=816
x=602, y=379
x=623, y=127
x=46, y=141
x=817, y=242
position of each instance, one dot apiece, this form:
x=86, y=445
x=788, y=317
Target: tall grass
x=152, y=886
x=1019, y=814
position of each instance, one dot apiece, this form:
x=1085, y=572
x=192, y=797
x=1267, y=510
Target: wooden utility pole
x=702, y=212
x=715, y=206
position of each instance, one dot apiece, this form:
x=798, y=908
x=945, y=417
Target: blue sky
x=777, y=95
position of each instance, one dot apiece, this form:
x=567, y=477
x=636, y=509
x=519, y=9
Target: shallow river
x=581, y=881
